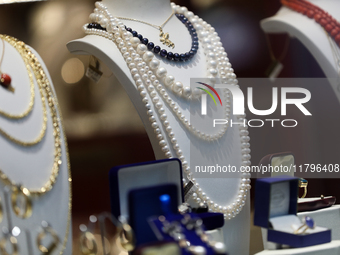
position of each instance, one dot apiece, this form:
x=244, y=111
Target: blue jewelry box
x=131, y=184
x=125, y=178
x=275, y=210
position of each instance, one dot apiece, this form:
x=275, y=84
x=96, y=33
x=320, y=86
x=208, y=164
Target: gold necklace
x=31, y=103
x=44, y=84
x=17, y=45
x=48, y=97
x=163, y=37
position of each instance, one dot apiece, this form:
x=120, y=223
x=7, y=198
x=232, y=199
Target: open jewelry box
x=125, y=178
x=276, y=208
x=163, y=176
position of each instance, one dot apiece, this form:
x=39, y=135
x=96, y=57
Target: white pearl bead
x=196, y=93
x=141, y=48
x=189, y=14
x=177, y=87
x=147, y=56
x=169, y=80
x=187, y=91
x=161, y=72
x=92, y=17
x=134, y=71
x=134, y=41
x=153, y=63
x=213, y=71
x=104, y=22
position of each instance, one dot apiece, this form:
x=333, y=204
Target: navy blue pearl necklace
x=162, y=52
x=169, y=55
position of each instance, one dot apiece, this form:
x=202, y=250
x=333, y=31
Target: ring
x=14, y=243
x=26, y=210
x=88, y=244
x=47, y=250
x=308, y=224
x=303, y=184
x=126, y=236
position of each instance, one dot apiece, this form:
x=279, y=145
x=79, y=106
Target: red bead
x=5, y=80
x=334, y=32
x=328, y=28
x=323, y=22
x=317, y=17
x=310, y=14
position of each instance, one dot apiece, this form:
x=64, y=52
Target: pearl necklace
x=185, y=92
x=141, y=73
x=153, y=84
x=160, y=72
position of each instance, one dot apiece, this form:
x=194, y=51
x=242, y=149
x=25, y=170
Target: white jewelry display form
x=221, y=190
x=311, y=34
x=32, y=166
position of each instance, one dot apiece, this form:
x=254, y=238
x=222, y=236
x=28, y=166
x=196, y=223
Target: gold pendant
x=164, y=38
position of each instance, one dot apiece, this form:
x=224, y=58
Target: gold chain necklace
x=17, y=45
x=47, y=97
x=163, y=37
x=31, y=103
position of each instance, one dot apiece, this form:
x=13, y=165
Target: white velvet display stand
x=221, y=190
x=32, y=166
x=311, y=34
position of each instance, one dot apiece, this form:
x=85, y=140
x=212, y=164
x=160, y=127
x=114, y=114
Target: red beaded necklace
x=5, y=79
x=331, y=25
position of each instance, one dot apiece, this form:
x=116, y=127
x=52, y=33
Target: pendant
x=164, y=38
x=5, y=80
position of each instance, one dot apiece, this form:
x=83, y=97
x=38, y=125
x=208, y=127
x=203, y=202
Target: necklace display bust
x=227, y=149
x=311, y=34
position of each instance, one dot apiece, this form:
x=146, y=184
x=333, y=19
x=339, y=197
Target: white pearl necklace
x=144, y=74
x=151, y=79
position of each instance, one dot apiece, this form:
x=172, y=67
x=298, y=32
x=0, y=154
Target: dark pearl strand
x=170, y=55
x=162, y=52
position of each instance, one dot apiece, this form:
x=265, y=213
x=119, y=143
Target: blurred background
x=103, y=128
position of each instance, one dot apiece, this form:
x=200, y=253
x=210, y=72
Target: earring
x=126, y=237
x=24, y=193
x=13, y=242
x=88, y=244
x=47, y=230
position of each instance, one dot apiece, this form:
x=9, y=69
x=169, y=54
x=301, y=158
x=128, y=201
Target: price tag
x=93, y=73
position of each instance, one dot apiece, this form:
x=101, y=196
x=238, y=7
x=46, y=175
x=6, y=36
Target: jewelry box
x=125, y=178
x=276, y=209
